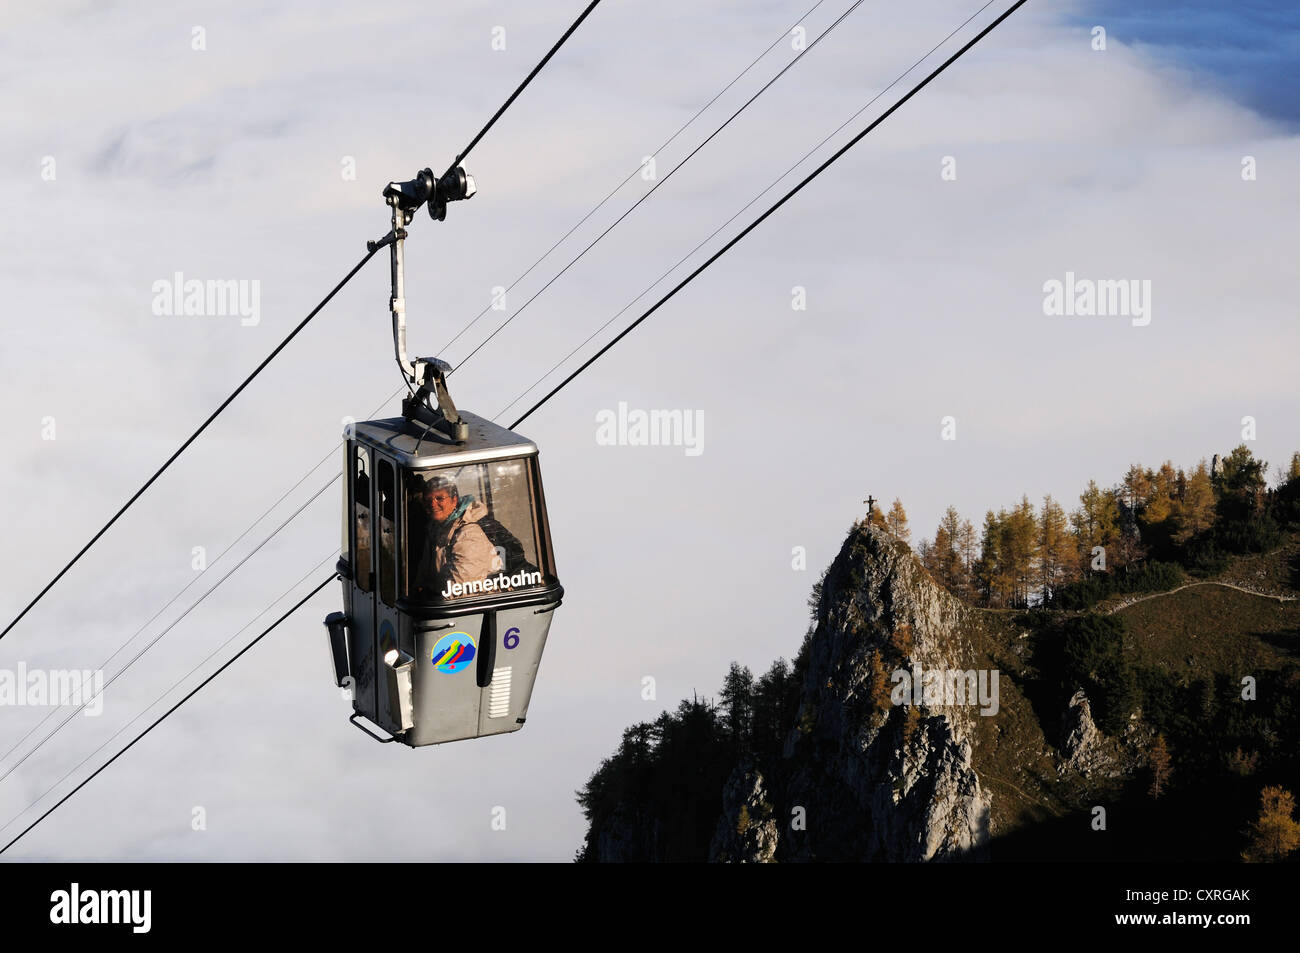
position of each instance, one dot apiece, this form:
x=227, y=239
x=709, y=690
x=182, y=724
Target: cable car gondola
x=449, y=581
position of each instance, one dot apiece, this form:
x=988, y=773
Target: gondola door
x=388, y=622
x=361, y=629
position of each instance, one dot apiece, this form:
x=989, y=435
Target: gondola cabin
x=449, y=582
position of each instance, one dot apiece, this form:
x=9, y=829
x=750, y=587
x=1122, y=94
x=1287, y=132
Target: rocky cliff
x=917, y=735
x=894, y=782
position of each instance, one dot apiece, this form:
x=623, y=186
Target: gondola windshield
x=470, y=533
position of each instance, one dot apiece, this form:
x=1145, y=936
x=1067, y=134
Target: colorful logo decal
x=387, y=637
x=452, y=652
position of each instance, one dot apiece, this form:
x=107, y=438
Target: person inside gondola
x=456, y=549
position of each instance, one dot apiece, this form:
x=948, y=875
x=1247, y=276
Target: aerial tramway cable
x=601, y=204
x=184, y=446
x=522, y=86
x=184, y=589
x=713, y=258
x=745, y=208
x=730, y=119
x=194, y=691
x=150, y=644
x=762, y=218
x=374, y=248
x=596, y=208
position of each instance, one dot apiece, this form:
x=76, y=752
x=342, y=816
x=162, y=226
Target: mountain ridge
x=854, y=775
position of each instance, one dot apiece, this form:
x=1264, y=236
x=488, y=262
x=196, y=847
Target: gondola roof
x=416, y=448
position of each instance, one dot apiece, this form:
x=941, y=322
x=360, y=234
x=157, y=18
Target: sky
x=251, y=142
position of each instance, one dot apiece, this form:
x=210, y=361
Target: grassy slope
x=1012, y=754
x=1197, y=632
x=1210, y=629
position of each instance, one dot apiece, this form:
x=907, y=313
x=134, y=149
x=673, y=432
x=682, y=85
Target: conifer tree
x=1161, y=767
x=1056, y=547
x=987, y=569
x=1160, y=502
x=1136, y=488
x=1240, y=471
x=896, y=521
x=1240, y=484
x=737, y=699
x=878, y=683
x=1194, y=512
x=1020, y=551
x=902, y=641
x=1096, y=522
x=949, y=558
x=968, y=548
x=1275, y=834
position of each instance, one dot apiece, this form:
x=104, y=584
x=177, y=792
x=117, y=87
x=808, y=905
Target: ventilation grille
x=499, y=695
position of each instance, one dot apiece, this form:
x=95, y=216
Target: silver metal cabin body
x=435, y=655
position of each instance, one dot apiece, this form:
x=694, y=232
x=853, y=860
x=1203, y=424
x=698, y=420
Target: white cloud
x=924, y=300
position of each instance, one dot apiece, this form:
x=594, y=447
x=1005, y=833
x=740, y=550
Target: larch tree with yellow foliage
x=896, y=521
x=1274, y=834
x=1194, y=510
x=1056, y=547
x=1096, y=522
x=1161, y=767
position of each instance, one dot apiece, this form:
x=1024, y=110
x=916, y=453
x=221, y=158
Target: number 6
x=512, y=638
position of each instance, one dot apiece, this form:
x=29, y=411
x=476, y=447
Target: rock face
x=1081, y=737
x=886, y=782
x=629, y=837
x=875, y=765
x=864, y=778
x=747, y=830
x=1083, y=747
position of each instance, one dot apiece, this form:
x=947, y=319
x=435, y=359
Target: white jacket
x=466, y=554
